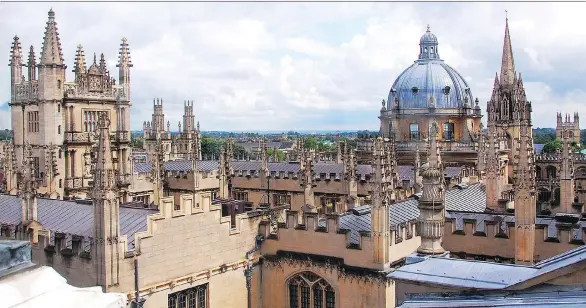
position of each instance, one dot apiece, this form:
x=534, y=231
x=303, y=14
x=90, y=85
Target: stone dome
x=430, y=82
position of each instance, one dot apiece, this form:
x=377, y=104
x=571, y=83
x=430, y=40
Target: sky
x=306, y=66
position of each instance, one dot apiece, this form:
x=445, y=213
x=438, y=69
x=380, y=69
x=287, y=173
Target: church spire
x=51, y=53
x=507, y=63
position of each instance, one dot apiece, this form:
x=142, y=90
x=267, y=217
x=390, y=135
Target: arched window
x=307, y=290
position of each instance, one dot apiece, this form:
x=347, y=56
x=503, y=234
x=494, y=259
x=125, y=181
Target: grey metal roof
x=471, y=274
x=575, y=298
x=430, y=77
x=72, y=218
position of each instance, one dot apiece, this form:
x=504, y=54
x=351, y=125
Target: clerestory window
x=195, y=297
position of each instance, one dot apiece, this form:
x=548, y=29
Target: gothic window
x=60, y=183
x=33, y=121
x=90, y=120
x=307, y=290
x=448, y=131
x=58, y=108
x=195, y=297
x=414, y=131
x=58, y=84
x=59, y=129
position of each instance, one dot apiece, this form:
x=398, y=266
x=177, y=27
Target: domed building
x=431, y=91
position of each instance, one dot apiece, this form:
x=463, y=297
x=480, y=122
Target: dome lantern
x=429, y=76
x=428, y=46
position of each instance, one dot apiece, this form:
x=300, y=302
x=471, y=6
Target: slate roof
x=470, y=199
x=538, y=148
x=72, y=218
x=471, y=274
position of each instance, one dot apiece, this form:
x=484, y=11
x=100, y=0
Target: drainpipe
x=138, y=301
x=248, y=270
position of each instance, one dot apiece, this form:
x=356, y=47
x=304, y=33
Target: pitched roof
x=72, y=218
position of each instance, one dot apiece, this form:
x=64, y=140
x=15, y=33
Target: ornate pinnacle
x=51, y=51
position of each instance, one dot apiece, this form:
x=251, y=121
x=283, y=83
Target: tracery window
x=195, y=297
x=90, y=120
x=307, y=290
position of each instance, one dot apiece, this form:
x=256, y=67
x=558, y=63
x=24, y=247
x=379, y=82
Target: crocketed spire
x=32, y=63
x=507, y=63
x=80, y=66
x=51, y=53
x=15, y=53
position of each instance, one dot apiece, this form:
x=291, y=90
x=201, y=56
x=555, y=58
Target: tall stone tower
x=59, y=118
x=430, y=223
x=567, y=175
x=508, y=106
x=106, y=249
x=572, y=126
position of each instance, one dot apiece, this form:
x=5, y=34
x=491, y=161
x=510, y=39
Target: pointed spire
x=16, y=61
x=15, y=52
x=51, y=52
x=102, y=66
x=80, y=66
x=32, y=64
x=124, y=55
x=507, y=63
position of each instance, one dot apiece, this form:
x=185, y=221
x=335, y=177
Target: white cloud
x=252, y=66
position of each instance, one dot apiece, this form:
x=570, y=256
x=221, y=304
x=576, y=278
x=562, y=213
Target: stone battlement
x=328, y=237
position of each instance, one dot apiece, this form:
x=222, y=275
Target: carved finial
x=428, y=30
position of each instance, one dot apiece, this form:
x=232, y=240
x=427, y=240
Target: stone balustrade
x=113, y=93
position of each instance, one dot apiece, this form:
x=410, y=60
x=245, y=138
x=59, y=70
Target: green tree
x=310, y=142
x=238, y=151
x=552, y=146
x=137, y=142
x=210, y=147
x=280, y=154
